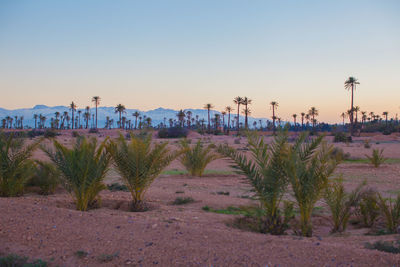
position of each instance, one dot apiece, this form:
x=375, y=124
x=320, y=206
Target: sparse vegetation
x=195, y=159
x=390, y=211
x=183, y=200
x=83, y=168
x=385, y=246
x=103, y=258
x=13, y=260
x=377, y=158
x=368, y=207
x=117, y=187
x=46, y=177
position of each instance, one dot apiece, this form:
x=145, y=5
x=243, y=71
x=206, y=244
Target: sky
x=184, y=54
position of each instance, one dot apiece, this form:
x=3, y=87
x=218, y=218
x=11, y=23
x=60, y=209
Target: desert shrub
x=390, y=212
x=182, y=200
x=367, y=144
x=46, y=177
x=75, y=134
x=236, y=141
x=377, y=158
x=173, y=132
x=341, y=137
x=368, y=207
x=385, y=246
x=93, y=131
x=341, y=204
x=117, y=187
x=139, y=164
x=16, y=168
x=83, y=168
x=49, y=133
x=195, y=159
x=16, y=134
x=103, y=258
x=338, y=154
x=308, y=166
x=13, y=260
x=264, y=172
x=34, y=133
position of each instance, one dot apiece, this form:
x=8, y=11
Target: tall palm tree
x=181, y=117
x=223, y=113
x=356, y=110
x=302, y=119
x=96, y=100
x=246, y=101
x=208, y=106
x=313, y=113
x=79, y=118
x=72, y=107
x=35, y=117
x=350, y=84
x=363, y=116
x=274, y=105
x=343, y=115
x=385, y=113
x=246, y=112
x=238, y=101
x=294, y=119
x=189, y=118
x=229, y=110
x=136, y=114
x=120, y=109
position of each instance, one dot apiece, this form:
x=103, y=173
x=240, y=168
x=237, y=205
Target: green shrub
x=16, y=168
x=49, y=133
x=390, y=211
x=75, y=134
x=341, y=203
x=182, y=200
x=46, y=177
x=173, y=132
x=195, y=159
x=93, y=131
x=338, y=154
x=83, y=168
x=308, y=166
x=385, y=246
x=264, y=170
x=376, y=158
x=17, y=261
x=367, y=144
x=368, y=207
x=139, y=164
x=117, y=187
x=341, y=137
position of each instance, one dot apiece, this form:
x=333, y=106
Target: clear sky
x=183, y=54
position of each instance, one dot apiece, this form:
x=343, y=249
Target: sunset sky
x=183, y=54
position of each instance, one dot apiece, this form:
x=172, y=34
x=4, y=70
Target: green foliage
x=107, y=257
x=264, y=171
x=83, y=168
x=16, y=168
x=368, y=207
x=385, y=246
x=341, y=203
x=339, y=155
x=182, y=200
x=46, y=177
x=367, y=144
x=341, y=137
x=139, y=164
x=377, y=157
x=17, y=261
x=173, y=132
x=390, y=211
x=195, y=159
x=308, y=166
x=117, y=187
x=81, y=254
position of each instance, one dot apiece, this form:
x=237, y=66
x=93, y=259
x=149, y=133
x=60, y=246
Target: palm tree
x=364, y=116
x=274, y=105
x=120, y=109
x=229, y=110
x=350, y=84
x=79, y=118
x=72, y=107
x=189, y=118
x=96, y=100
x=208, y=107
x=35, y=116
x=356, y=110
x=294, y=119
x=302, y=119
x=313, y=112
x=385, y=113
x=246, y=101
x=343, y=115
x=136, y=115
x=181, y=117
x=246, y=112
x=238, y=101
x=223, y=113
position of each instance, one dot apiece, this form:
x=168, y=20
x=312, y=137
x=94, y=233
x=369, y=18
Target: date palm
x=350, y=84
x=302, y=119
x=139, y=163
x=136, y=114
x=246, y=101
x=208, y=107
x=72, y=107
x=313, y=112
x=294, y=119
x=343, y=116
x=96, y=101
x=238, y=101
x=120, y=109
x=181, y=117
x=385, y=113
x=229, y=110
x=274, y=105
x=83, y=169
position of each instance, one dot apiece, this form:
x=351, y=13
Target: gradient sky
x=183, y=54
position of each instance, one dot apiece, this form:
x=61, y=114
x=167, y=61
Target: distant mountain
x=157, y=115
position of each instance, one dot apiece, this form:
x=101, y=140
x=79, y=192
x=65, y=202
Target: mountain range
x=157, y=115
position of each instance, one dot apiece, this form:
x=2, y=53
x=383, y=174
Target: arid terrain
x=49, y=227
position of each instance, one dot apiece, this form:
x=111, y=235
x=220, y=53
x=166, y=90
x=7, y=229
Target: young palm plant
x=368, y=207
x=195, y=159
x=308, y=166
x=16, y=168
x=341, y=203
x=83, y=168
x=139, y=164
x=46, y=177
x=264, y=171
x=377, y=157
x=390, y=211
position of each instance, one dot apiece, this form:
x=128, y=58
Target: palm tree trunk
x=229, y=119
x=96, y=114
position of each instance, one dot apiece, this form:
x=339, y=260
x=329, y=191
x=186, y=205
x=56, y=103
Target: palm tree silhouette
x=350, y=84
x=343, y=115
x=302, y=119
x=294, y=119
x=229, y=110
x=72, y=107
x=120, y=109
x=208, y=106
x=35, y=117
x=96, y=100
x=385, y=113
x=246, y=101
x=136, y=115
x=238, y=101
x=181, y=117
x=223, y=113
x=274, y=105
x=313, y=112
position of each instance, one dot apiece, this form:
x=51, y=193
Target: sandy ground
x=48, y=227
